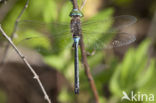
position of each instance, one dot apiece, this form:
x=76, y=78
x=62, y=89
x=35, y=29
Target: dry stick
x=14, y=31
x=4, y=9
x=75, y=5
x=83, y=4
x=27, y=63
x=87, y=70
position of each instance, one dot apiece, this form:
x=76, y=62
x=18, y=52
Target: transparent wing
x=116, y=23
x=46, y=45
x=106, y=42
x=44, y=37
x=54, y=29
x=98, y=34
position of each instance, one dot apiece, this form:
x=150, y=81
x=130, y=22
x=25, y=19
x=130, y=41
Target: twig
x=75, y=5
x=14, y=31
x=87, y=70
x=83, y=4
x=4, y=9
x=27, y=63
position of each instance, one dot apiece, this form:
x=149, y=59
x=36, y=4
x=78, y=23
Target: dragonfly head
x=76, y=13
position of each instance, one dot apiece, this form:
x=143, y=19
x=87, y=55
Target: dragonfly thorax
x=76, y=13
x=76, y=26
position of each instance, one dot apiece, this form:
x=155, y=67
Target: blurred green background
x=128, y=68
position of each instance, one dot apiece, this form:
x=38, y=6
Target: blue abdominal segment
x=76, y=66
x=76, y=39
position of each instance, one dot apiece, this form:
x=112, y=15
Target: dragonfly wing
x=123, y=21
x=46, y=45
x=46, y=38
x=122, y=39
x=56, y=29
x=97, y=34
x=106, y=42
x=115, y=23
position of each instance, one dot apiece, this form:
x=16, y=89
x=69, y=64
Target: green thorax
x=76, y=12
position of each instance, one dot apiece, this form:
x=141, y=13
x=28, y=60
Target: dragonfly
x=63, y=35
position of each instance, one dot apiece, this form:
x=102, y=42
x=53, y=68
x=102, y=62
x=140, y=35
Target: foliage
x=2, y=97
x=135, y=73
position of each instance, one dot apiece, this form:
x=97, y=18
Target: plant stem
x=14, y=32
x=75, y=5
x=83, y=4
x=27, y=63
x=87, y=70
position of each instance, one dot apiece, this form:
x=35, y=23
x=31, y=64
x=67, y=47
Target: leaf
x=50, y=11
x=147, y=75
x=133, y=72
x=36, y=40
x=64, y=12
x=115, y=84
x=3, y=97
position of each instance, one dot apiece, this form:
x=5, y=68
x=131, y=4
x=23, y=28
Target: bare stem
x=83, y=4
x=13, y=32
x=75, y=5
x=27, y=63
x=87, y=70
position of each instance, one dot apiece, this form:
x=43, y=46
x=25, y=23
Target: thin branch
x=13, y=32
x=4, y=9
x=87, y=70
x=27, y=63
x=83, y=4
x=75, y=5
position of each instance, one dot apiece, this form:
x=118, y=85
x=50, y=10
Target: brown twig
x=87, y=70
x=83, y=4
x=14, y=31
x=75, y=5
x=4, y=9
x=27, y=63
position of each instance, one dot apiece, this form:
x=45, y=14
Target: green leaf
x=33, y=39
x=133, y=72
x=147, y=74
x=64, y=12
x=3, y=98
x=114, y=83
x=50, y=11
